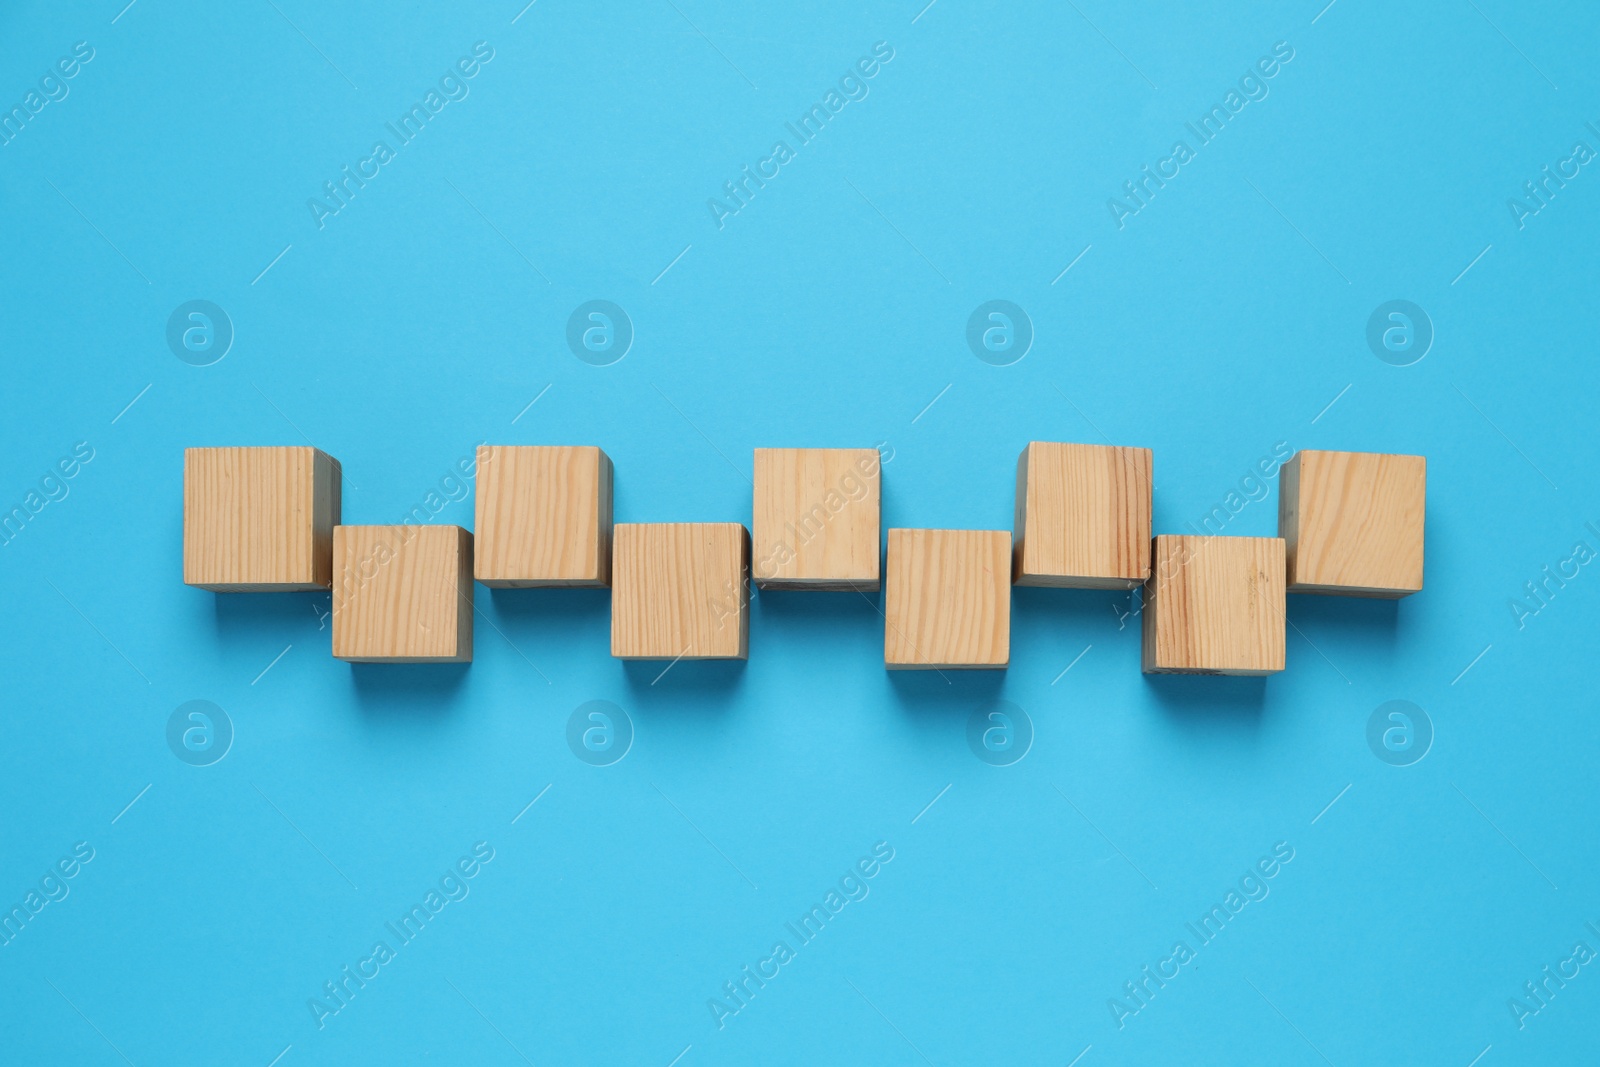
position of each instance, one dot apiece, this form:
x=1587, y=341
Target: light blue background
x=1221, y=320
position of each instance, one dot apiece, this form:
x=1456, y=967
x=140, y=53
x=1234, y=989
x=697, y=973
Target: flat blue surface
x=1224, y=319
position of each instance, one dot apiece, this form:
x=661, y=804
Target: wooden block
x=816, y=518
x=681, y=590
x=403, y=594
x=259, y=520
x=1083, y=516
x=1214, y=605
x=948, y=599
x=1353, y=522
x=543, y=516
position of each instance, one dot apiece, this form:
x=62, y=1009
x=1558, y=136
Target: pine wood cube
x=402, y=594
x=1214, y=605
x=816, y=518
x=1353, y=522
x=680, y=590
x=1083, y=516
x=948, y=599
x=542, y=516
x=259, y=520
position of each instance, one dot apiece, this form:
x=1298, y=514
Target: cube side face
x=466, y=553
x=259, y=519
x=1083, y=516
x=543, y=516
x=402, y=594
x=680, y=591
x=1289, y=514
x=1355, y=523
x=815, y=519
x=603, y=519
x=948, y=599
x=326, y=506
x=1020, y=574
x=1215, y=605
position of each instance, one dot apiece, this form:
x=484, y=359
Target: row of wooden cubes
x=267, y=519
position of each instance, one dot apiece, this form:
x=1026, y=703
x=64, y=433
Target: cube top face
x=1214, y=605
x=680, y=590
x=543, y=516
x=948, y=599
x=816, y=518
x=259, y=519
x=1083, y=516
x=402, y=594
x=1353, y=522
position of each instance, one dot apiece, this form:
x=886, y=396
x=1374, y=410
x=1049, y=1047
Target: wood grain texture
x=948, y=599
x=681, y=590
x=402, y=594
x=815, y=521
x=543, y=516
x=1214, y=605
x=259, y=519
x=1353, y=522
x=1082, y=516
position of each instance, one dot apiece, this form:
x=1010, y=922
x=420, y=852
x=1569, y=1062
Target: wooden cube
x=1083, y=516
x=1353, y=522
x=403, y=594
x=1214, y=605
x=948, y=600
x=681, y=590
x=543, y=516
x=259, y=520
x=816, y=518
